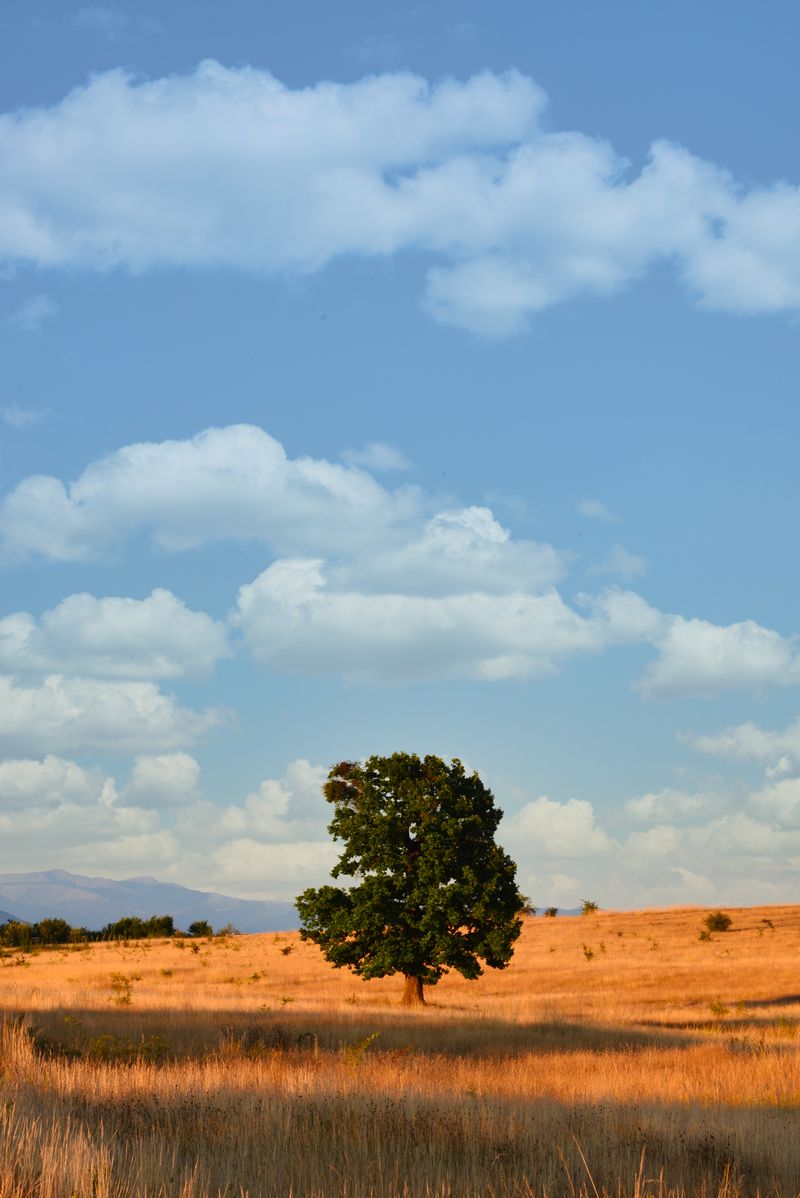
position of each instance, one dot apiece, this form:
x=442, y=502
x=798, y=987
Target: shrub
x=718, y=921
x=551, y=912
x=588, y=907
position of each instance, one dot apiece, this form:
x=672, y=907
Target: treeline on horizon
x=56, y=931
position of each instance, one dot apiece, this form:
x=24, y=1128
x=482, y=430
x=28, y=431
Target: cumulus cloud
x=67, y=714
x=749, y=742
x=457, y=550
x=157, y=637
x=672, y=804
x=516, y=217
x=271, y=843
x=780, y=802
x=235, y=482
x=50, y=782
x=546, y=828
x=55, y=808
x=163, y=780
x=365, y=581
x=293, y=620
x=700, y=658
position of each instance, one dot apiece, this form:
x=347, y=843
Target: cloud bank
x=364, y=581
x=228, y=167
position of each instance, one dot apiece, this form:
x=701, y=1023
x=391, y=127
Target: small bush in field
x=588, y=907
x=718, y=921
x=121, y=986
x=551, y=912
x=123, y=1050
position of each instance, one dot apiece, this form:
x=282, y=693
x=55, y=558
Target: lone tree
x=432, y=889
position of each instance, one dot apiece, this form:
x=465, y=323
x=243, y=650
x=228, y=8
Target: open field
x=618, y=1054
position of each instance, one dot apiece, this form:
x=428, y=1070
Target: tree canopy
x=432, y=890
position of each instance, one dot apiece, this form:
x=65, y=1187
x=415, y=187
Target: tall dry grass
x=619, y=1054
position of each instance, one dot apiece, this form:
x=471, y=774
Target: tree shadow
x=175, y=1033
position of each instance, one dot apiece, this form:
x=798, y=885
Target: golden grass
x=618, y=1054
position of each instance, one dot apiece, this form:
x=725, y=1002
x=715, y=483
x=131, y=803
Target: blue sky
x=389, y=376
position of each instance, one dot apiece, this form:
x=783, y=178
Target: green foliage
x=526, y=906
x=131, y=927
x=124, y=1050
x=121, y=986
x=588, y=907
x=433, y=891
x=200, y=927
x=16, y=934
x=718, y=921
x=551, y=912
x=52, y=931
x=354, y=1053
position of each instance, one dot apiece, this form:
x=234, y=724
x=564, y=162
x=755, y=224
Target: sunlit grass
x=654, y=1062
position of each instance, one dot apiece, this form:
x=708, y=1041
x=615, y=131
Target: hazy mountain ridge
x=92, y=902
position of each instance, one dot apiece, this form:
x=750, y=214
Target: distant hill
x=6, y=918
x=93, y=902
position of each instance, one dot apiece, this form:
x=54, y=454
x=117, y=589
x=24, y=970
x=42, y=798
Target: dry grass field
x=619, y=1054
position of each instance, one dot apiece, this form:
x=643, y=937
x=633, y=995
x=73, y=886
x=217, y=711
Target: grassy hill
x=619, y=1051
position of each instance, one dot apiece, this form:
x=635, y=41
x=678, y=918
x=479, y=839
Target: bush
x=588, y=907
x=200, y=927
x=718, y=921
x=551, y=912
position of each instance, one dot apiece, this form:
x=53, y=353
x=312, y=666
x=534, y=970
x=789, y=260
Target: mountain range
x=93, y=902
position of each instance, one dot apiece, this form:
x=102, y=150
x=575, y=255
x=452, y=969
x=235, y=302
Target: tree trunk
x=412, y=994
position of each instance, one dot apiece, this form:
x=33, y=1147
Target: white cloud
x=699, y=658
x=16, y=417
x=292, y=620
x=780, y=802
x=50, y=782
x=285, y=809
x=157, y=637
x=163, y=780
x=595, y=509
x=234, y=483
x=272, y=843
x=664, y=840
x=671, y=804
x=377, y=457
x=457, y=550
x=621, y=563
x=245, y=863
x=79, y=713
x=517, y=218
x=368, y=582
x=546, y=828
x=33, y=312
x=748, y=742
